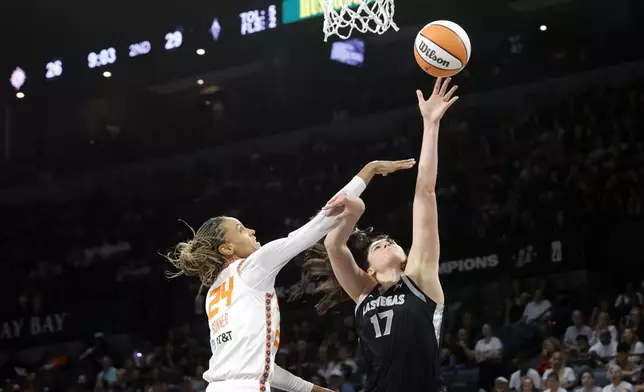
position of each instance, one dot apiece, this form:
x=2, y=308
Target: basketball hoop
x=341, y=17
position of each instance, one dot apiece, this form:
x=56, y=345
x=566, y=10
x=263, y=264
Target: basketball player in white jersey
x=399, y=298
x=241, y=304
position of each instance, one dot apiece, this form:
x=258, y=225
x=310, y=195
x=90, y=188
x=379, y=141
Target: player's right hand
x=385, y=167
x=343, y=205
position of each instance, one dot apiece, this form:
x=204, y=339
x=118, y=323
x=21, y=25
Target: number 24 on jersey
x=223, y=292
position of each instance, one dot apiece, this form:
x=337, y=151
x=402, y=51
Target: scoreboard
x=232, y=27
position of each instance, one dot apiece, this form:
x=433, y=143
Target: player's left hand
x=435, y=107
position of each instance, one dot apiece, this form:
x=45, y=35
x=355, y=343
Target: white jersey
x=244, y=330
x=243, y=313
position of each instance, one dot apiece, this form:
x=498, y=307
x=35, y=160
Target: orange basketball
x=442, y=48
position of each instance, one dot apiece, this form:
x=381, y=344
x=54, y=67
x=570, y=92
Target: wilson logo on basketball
x=435, y=55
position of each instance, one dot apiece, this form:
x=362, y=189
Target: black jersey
x=399, y=332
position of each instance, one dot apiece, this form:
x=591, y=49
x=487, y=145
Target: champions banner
x=545, y=255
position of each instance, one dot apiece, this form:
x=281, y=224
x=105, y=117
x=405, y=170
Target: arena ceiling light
x=543, y=28
x=201, y=52
x=20, y=95
x=107, y=74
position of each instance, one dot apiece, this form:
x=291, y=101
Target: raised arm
x=260, y=269
x=422, y=263
x=353, y=279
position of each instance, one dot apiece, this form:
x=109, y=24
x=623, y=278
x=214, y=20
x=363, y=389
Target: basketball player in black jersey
x=399, y=298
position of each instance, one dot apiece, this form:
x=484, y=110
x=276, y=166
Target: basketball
x=442, y=48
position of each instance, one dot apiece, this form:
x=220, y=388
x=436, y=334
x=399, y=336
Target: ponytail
x=200, y=256
x=317, y=270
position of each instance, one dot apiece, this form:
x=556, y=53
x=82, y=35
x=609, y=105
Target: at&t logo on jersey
x=221, y=339
x=469, y=264
x=391, y=300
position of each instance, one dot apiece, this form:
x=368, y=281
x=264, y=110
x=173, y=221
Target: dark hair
x=317, y=269
x=623, y=347
x=200, y=256
x=584, y=371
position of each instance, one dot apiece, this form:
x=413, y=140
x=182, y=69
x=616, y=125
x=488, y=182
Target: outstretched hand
x=386, y=167
x=435, y=107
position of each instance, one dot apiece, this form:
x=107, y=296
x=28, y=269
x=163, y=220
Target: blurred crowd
x=504, y=177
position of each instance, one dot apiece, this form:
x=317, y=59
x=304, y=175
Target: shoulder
x=428, y=282
x=429, y=292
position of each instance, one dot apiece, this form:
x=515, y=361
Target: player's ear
x=226, y=249
x=371, y=272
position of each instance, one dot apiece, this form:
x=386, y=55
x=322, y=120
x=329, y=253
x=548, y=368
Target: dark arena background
x=120, y=118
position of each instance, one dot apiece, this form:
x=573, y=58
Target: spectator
x=603, y=323
x=467, y=324
x=634, y=323
x=552, y=383
x=629, y=370
x=605, y=349
x=588, y=383
x=464, y=354
x=627, y=300
x=523, y=372
x=514, y=308
x=301, y=366
x=565, y=375
x=536, y=309
x=337, y=383
x=616, y=383
x=580, y=350
x=527, y=385
x=501, y=384
x=577, y=328
x=107, y=376
x=121, y=381
x=548, y=347
x=488, y=356
x=602, y=307
x=344, y=358
x=636, y=347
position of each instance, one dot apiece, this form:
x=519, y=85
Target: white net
x=341, y=17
